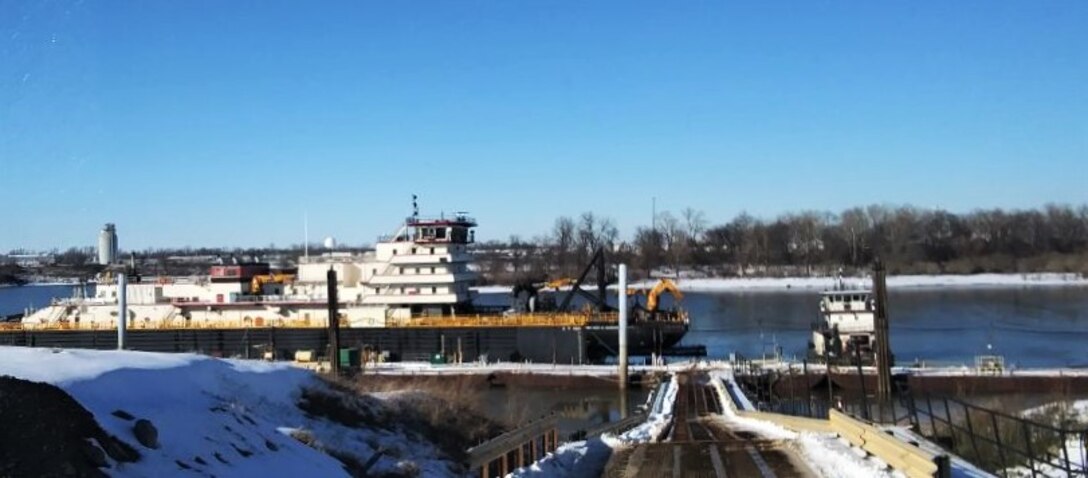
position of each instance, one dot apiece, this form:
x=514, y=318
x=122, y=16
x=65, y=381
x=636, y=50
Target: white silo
x=107, y=245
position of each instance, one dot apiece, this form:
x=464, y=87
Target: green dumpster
x=349, y=357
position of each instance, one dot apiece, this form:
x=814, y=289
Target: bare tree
x=694, y=222
x=854, y=225
x=563, y=234
x=649, y=249
x=674, y=239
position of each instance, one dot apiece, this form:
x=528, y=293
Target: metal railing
x=512, y=320
x=177, y=323
x=995, y=441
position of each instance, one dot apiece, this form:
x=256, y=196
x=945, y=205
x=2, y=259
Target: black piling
x=883, y=342
x=334, y=324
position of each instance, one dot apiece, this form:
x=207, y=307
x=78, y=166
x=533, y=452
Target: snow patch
x=658, y=419
x=217, y=417
x=581, y=459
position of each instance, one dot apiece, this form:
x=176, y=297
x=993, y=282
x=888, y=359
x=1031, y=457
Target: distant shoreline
x=915, y=282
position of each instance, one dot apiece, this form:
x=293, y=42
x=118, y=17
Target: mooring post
x=861, y=381
x=621, y=300
x=883, y=343
x=334, y=323
x=122, y=310
x=827, y=373
x=808, y=390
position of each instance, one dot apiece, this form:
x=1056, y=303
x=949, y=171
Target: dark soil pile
x=45, y=432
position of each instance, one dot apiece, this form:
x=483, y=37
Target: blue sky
x=223, y=123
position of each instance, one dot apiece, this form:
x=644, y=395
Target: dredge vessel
x=408, y=299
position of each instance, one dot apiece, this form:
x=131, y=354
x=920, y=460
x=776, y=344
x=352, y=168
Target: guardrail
x=519, y=446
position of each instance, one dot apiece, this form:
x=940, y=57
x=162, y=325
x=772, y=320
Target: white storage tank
x=107, y=245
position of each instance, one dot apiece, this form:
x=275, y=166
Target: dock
x=698, y=446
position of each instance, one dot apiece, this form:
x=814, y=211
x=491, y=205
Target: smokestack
x=122, y=310
x=622, y=302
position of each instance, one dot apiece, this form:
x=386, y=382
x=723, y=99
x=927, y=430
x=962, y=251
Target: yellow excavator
x=257, y=283
x=653, y=301
x=557, y=283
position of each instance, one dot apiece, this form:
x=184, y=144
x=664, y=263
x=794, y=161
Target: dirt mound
x=46, y=432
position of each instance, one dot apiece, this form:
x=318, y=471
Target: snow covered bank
x=732, y=284
x=223, y=417
x=1072, y=415
x=1075, y=411
x=894, y=282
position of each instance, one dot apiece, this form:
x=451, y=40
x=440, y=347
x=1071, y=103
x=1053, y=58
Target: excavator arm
x=662, y=287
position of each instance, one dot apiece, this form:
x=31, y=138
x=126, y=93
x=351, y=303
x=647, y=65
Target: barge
x=408, y=299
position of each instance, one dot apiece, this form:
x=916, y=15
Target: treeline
x=908, y=239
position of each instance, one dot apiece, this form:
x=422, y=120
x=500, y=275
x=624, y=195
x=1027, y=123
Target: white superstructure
x=421, y=270
x=847, y=321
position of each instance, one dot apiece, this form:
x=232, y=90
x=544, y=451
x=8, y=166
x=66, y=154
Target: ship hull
x=536, y=344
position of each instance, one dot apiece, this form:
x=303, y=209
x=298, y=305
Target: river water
x=1031, y=327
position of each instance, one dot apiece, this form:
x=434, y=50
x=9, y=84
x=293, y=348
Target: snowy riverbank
x=229, y=417
x=734, y=284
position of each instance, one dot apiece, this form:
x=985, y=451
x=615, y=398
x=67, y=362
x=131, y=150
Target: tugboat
x=845, y=331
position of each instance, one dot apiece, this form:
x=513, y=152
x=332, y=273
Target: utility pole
x=653, y=215
x=882, y=352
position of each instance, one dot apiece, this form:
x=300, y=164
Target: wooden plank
x=905, y=457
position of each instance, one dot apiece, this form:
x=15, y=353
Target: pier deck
x=698, y=446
